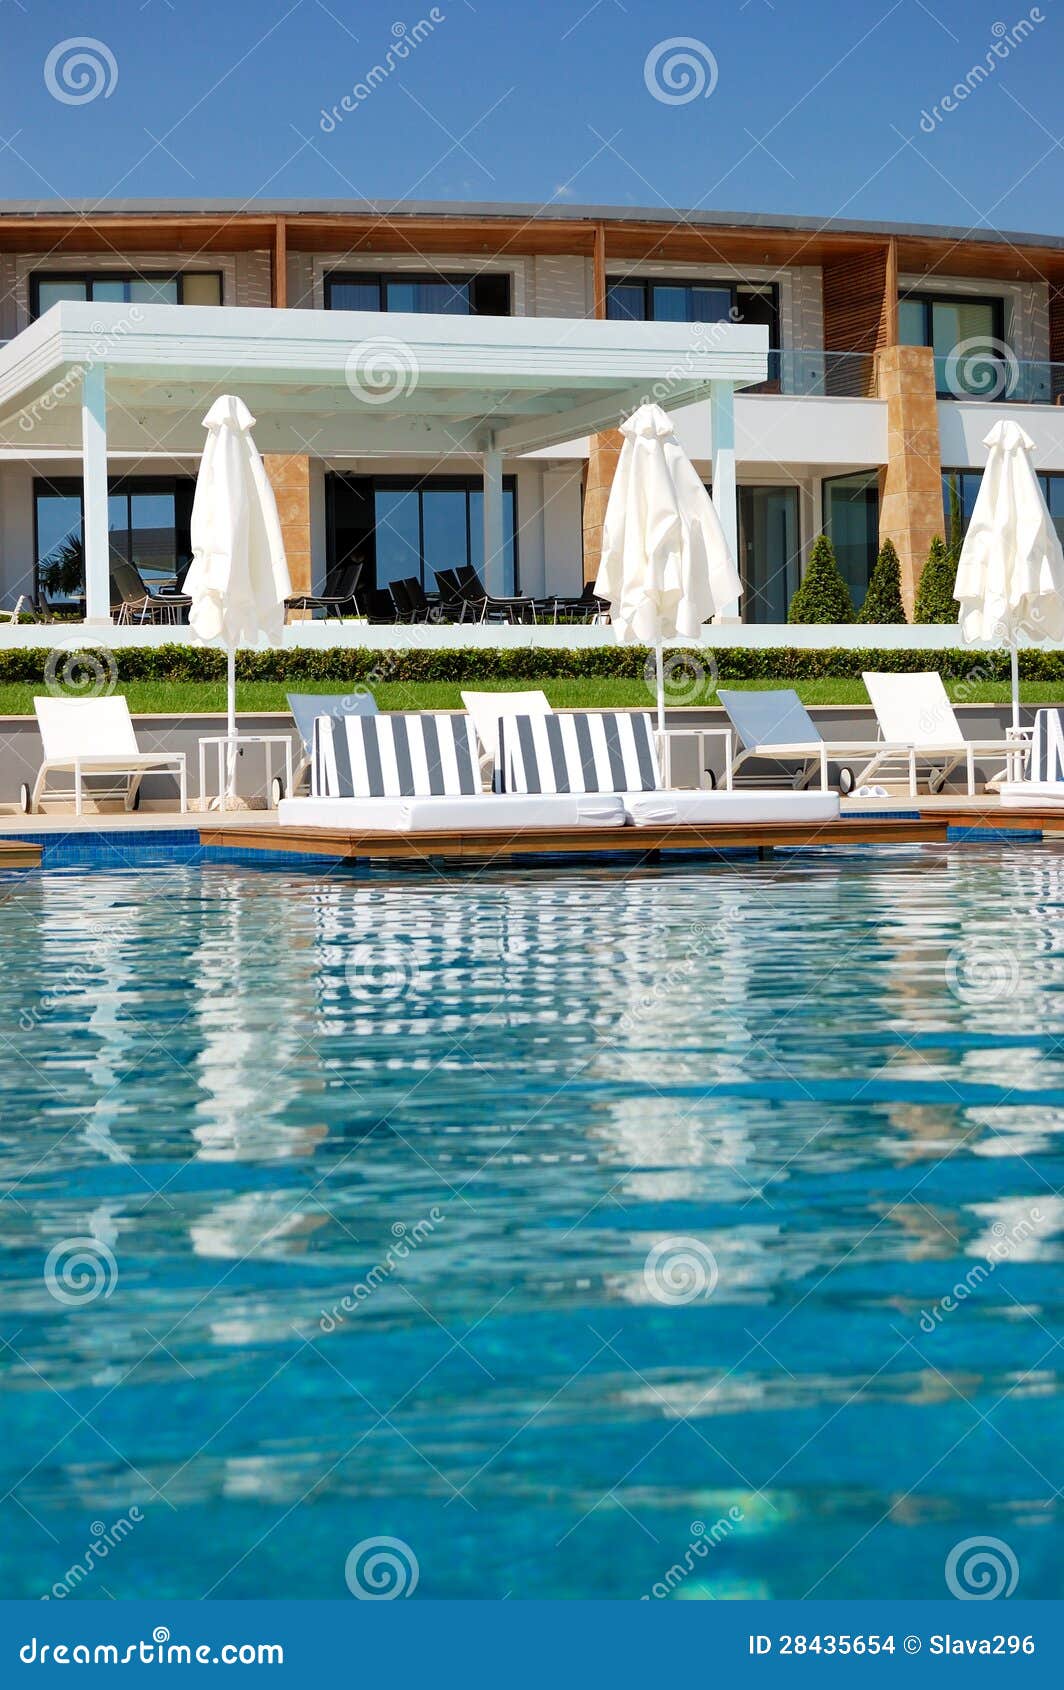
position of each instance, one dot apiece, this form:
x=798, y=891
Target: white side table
x=221, y=744
x=666, y=737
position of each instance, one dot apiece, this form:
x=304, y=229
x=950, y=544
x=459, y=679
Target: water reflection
x=251, y=1087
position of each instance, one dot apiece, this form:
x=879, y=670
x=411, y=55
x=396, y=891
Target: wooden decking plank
x=573, y=841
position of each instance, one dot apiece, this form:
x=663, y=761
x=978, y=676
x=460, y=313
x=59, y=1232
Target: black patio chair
x=341, y=596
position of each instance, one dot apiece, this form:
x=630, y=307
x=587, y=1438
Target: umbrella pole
x=1014, y=663
x=230, y=726
x=660, y=666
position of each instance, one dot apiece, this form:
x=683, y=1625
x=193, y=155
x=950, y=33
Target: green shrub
x=934, y=595
x=341, y=665
x=823, y=595
x=883, y=598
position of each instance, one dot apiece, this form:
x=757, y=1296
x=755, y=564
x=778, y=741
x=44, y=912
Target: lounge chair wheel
x=24, y=799
x=846, y=780
x=710, y=781
x=134, y=803
x=936, y=780
x=798, y=780
x=276, y=791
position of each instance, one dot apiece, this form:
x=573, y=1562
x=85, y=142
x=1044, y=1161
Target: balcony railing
x=991, y=373
x=819, y=375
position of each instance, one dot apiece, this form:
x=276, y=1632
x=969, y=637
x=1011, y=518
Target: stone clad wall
x=910, y=507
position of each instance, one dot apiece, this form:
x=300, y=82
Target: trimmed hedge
x=340, y=665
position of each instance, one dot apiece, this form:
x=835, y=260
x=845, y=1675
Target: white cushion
x=1018, y=792
x=662, y=809
x=511, y=812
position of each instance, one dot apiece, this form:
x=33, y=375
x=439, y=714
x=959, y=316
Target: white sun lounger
x=486, y=708
x=773, y=725
x=914, y=713
x=1045, y=775
x=616, y=752
x=90, y=737
x=417, y=773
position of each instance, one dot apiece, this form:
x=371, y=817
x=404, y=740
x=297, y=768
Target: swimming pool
x=685, y=1232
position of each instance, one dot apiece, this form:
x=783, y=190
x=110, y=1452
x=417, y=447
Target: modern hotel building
x=891, y=349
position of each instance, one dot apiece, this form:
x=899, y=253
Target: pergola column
x=494, y=552
x=722, y=423
x=97, y=544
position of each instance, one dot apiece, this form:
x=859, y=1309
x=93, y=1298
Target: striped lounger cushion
x=608, y=751
x=1047, y=746
x=394, y=756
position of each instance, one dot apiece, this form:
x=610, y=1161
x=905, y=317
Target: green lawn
x=190, y=697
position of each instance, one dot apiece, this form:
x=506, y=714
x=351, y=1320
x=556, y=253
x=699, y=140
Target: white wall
x=963, y=425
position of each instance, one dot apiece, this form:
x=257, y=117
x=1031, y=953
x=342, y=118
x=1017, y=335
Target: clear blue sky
x=815, y=107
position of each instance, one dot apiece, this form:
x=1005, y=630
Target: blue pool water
x=586, y=1233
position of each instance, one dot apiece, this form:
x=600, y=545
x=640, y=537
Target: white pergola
x=93, y=378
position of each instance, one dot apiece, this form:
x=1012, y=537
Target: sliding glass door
x=769, y=551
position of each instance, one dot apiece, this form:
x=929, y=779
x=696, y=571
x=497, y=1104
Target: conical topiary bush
x=883, y=598
x=823, y=595
x=934, y=595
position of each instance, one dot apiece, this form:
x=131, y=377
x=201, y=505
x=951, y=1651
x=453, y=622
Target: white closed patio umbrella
x=666, y=568
x=238, y=580
x=1010, y=577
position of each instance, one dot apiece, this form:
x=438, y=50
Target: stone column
x=289, y=476
x=910, y=505
x=601, y=463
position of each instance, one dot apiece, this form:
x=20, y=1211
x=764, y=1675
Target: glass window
x=417, y=528
x=152, y=290
x=960, y=489
x=50, y=293
x=912, y=325
x=851, y=523
x=60, y=569
x=949, y=324
x=148, y=526
x=201, y=288
x=486, y=295
x=198, y=288
x=398, y=534
x=626, y=300
x=445, y=535
x=769, y=551
x=696, y=302
x=352, y=295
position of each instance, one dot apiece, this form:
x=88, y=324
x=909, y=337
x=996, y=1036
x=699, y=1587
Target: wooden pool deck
x=638, y=842
x=19, y=853
x=943, y=820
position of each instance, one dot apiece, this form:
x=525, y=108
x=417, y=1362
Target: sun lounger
x=615, y=752
x=306, y=707
x=1045, y=782
x=91, y=737
x=914, y=713
x=775, y=726
x=420, y=773
x=486, y=709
